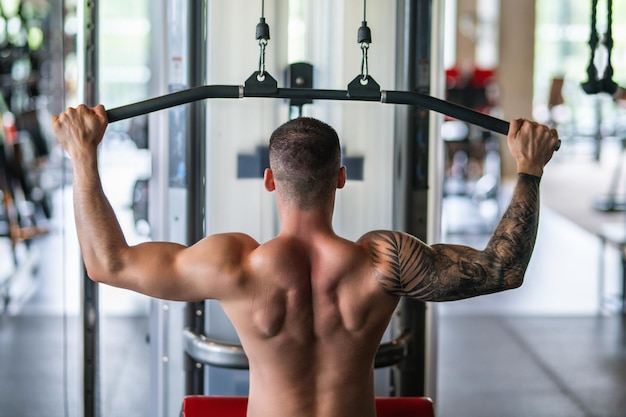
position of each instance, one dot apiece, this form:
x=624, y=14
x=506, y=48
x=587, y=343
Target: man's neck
x=299, y=222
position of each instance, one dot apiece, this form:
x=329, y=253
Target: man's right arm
x=207, y=269
x=408, y=267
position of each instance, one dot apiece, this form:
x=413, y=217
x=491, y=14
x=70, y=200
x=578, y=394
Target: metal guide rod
x=235, y=91
x=229, y=355
x=88, y=11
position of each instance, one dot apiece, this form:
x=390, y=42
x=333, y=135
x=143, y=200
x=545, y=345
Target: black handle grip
x=173, y=99
x=450, y=109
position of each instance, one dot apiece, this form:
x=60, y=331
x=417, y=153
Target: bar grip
x=445, y=107
x=173, y=99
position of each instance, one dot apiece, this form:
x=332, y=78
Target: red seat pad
x=235, y=406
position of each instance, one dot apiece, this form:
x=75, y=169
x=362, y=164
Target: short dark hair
x=305, y=157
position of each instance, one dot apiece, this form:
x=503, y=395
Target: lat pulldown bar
x=238, y=91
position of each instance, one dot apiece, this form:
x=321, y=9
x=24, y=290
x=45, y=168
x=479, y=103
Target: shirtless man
x=310, y=307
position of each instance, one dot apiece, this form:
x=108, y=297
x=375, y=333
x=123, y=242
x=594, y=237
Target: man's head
x=305, y=159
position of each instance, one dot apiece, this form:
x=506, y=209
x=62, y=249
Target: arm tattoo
x=409, y=267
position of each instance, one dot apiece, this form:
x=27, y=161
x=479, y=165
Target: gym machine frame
x=260, y=85
x=90, y=305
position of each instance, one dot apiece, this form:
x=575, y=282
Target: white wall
x=239, y=126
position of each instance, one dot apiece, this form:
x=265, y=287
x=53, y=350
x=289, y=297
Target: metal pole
x=196, y=159
x=88, y=46
x=411, y=181
x=58, y=50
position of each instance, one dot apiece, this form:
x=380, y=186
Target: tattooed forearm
x=408, y=267
x=513, y=241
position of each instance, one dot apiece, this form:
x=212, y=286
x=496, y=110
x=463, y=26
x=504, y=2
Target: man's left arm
x=409, y=267
x=444, y=272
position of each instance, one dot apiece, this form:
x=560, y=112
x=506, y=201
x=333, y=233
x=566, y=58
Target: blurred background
x=554, y=347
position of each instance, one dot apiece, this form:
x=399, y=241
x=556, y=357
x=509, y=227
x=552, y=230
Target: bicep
x=156, y=269
x=408, y=267
x=207, y=269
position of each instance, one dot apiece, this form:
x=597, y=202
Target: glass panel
x=297, y=27
x=125, y=168
x=39, y=286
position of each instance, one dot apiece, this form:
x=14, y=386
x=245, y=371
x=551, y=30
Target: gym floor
x=541, y=350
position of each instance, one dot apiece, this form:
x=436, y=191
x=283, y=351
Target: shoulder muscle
x=399, y=259
x=218, y=261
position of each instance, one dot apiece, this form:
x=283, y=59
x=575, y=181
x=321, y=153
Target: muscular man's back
x=310, y=317
x=310, y=308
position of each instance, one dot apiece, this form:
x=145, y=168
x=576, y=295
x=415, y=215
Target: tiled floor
x=532, y=366
x=40, y=372
x=545, y=349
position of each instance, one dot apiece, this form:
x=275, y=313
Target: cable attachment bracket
x=261, y=83
x=257, y=86
x=263, y=36
x=364, y=85
x=364, y=39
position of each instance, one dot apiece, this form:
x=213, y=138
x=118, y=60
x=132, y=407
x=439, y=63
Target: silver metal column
x=196, y=168
x=88, y=87
x=413, y=185
x=181, y=157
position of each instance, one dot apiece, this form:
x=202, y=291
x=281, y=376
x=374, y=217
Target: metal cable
x=364, y=38
x=608, y=40
x=592, y=85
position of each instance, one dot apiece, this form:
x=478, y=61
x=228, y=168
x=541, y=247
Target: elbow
x=508, y=275
x=515, y=281
x=97, y=274
x=93, y=273
x=102, y=270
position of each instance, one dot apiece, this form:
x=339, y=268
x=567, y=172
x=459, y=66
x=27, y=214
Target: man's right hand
x=80, y=130
x=531, y=145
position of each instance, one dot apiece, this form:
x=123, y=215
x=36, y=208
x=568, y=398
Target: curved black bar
x=174, y=99
x=309, y=93
x=222, y=91
x=450, y=109
x=314, y=94
x=234, y=91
